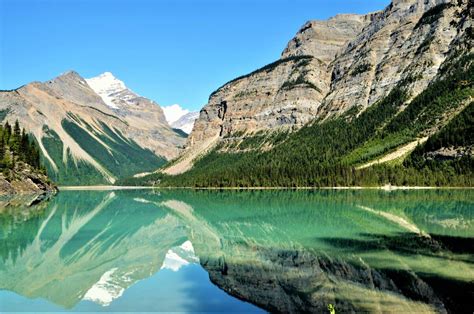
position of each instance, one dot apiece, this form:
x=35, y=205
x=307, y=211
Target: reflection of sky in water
x=129, y=251
x=186, y=290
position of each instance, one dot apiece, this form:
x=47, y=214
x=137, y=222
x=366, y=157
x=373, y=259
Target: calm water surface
x=243, y=251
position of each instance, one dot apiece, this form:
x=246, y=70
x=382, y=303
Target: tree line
x=17, y=146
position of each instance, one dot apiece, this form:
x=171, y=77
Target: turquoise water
x=244, y=251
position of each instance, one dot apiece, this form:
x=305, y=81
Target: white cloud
x=174, y=112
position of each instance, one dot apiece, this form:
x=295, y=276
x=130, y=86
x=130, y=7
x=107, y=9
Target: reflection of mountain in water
x=361, y=251
x=88, y=245
x=286, y=251
x=180, y=256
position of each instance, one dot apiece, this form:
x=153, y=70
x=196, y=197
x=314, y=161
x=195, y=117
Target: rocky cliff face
x=332, y=66
x=23, y=180
x=283, y=95
x=81, y=137
x=286, y=93
x=324, y=39
x=408, y=42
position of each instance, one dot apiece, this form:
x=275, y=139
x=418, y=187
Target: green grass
x=124, y=158
x=376, y=147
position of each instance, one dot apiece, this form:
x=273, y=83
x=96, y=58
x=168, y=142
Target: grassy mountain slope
x=81, y=139
x=121, y=157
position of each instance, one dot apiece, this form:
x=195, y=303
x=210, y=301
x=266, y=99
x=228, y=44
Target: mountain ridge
x=402, y=78
x=85, y=141
x=405, y=43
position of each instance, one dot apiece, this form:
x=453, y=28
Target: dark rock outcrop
x=23, y=179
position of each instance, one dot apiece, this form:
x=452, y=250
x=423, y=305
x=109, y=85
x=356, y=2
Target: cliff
x=349, y=62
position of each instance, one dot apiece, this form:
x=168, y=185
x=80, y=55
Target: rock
x=332, y=66
x=399, y=44
x=24, y=180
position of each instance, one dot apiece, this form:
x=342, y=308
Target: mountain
x=186, y=122
x=180, y=118
x=89, y=137
x=347, y=94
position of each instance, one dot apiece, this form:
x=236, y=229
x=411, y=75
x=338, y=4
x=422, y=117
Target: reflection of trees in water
x=19, y=222
x=282, y=250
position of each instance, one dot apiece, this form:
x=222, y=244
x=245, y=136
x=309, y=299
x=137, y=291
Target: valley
x=340, y=107
x=240, y=156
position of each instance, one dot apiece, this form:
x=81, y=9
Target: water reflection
x=285, y=251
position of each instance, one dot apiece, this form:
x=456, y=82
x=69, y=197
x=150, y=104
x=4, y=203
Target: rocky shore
x=24, y=180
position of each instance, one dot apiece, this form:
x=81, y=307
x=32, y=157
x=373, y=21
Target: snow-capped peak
x=174, y=112
x=180, y=118
x=186, y=122
x=106, y=85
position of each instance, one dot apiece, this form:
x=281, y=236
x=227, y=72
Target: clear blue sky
x=172, y=51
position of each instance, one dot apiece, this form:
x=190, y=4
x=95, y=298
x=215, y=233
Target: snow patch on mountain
x=106, y=290
x=186, y=122
x=107, y=86
x=180, y=118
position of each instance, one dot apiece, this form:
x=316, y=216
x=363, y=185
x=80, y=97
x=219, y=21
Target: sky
x=171, y=51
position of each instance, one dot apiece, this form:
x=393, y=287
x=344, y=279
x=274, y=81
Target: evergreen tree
x=24, y=146
x=2, y=149
x=15, y=145
x=7, y=132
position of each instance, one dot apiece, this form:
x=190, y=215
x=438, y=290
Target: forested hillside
x=20, y=168
x=330, y=153
x=17, y=146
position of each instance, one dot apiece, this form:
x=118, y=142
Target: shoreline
x=102, y=187
x=384, y=188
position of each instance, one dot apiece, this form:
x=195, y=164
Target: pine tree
x=7, y=132
x=17, y=130
x=2, y=150
x=15, y=140
x=24, y=146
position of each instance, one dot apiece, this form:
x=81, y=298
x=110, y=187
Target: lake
x=242, y=251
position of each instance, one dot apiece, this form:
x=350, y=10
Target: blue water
x=239, y=251
x=187, y=290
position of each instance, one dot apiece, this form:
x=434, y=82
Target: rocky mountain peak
x=72, y=86
x=323, y=39
x=106, y=85
x=330, y=67
x=69, y=77
x=106, y=80
x=410, y=38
